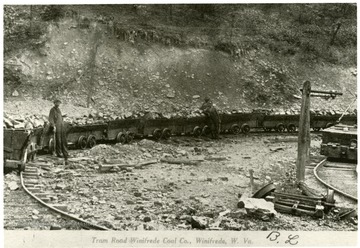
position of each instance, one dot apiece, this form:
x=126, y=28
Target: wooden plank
x=180, y=161
x=108, y=167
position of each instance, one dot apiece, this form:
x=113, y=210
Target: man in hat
x=212, y=117
x=57, y=124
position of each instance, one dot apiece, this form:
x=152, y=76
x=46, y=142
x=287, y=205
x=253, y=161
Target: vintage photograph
x=180, y=117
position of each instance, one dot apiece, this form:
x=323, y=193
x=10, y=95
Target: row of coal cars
x=20, y=145
x=125, y=130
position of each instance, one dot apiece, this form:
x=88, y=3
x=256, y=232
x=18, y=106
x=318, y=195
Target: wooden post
x=251, y=173
x=304, y=133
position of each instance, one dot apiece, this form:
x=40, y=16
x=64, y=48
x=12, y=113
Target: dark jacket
x=55, y=118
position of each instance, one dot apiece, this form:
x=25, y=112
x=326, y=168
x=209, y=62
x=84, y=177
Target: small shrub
x=52, y=13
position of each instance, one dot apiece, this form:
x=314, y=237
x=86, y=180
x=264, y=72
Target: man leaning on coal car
x=57, y=125
x=212, y=117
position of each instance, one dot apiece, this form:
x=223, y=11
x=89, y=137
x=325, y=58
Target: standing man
x=212, y=117
x=57, y=124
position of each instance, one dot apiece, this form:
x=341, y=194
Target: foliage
x=52, y=13
x=308, y=31
x=21, y=29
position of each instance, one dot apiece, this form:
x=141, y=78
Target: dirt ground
x=164, y=196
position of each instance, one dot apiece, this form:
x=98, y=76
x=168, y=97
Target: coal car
x=340, y=142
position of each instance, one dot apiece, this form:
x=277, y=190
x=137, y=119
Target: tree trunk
x=336, y=30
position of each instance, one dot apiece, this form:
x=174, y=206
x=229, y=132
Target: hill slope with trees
x=124, y=59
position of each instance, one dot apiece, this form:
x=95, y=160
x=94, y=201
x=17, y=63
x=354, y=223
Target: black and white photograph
x=179, y=124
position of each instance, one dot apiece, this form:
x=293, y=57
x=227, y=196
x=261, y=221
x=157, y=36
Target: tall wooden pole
x=304, y=133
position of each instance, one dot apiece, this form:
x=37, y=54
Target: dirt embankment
x=130, y=77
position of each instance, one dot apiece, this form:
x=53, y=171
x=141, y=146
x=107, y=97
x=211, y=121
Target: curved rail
x=84, y=222
x=330, y=186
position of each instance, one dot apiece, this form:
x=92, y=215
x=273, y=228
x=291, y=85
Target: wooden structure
x=304, y=127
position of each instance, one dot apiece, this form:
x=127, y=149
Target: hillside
x=125, y=59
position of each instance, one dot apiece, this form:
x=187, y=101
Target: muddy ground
x=165, y=196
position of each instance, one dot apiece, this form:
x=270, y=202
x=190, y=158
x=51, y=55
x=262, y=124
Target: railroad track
x=339, y=176
x=30, y=181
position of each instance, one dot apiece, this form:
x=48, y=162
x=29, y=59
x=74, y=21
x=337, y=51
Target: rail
x=328, y=185
x=83, y=222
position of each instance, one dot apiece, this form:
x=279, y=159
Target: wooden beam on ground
x=108, y=167
x=180, y=161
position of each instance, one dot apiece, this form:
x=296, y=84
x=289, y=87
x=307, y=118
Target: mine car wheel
x=245, y=128
x=197, y=131
x=157, y=134
x=91, y=141
x=120, y=138
x=205, y=131
x=235, y=129
x=166, y=133
x=264, y=191
x=353, y=143
x=82, y=142
x=291, y=128
x=129, y=137
x=280, y=128
x=316, y=129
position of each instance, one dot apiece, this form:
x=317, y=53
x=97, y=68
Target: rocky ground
x=166, y=196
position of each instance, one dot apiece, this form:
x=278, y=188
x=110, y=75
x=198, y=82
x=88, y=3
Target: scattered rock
x=15, y=93
x=55, y=227
x=147, y=219
x=238, y=213
x=137, y=194
x=199, y=222
x=13, y=185
x=170, y=95
x=277, y=149
x=158, y=203
x=130, y=202
x=148, y=155
x=259, y=208
x=182, y=152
